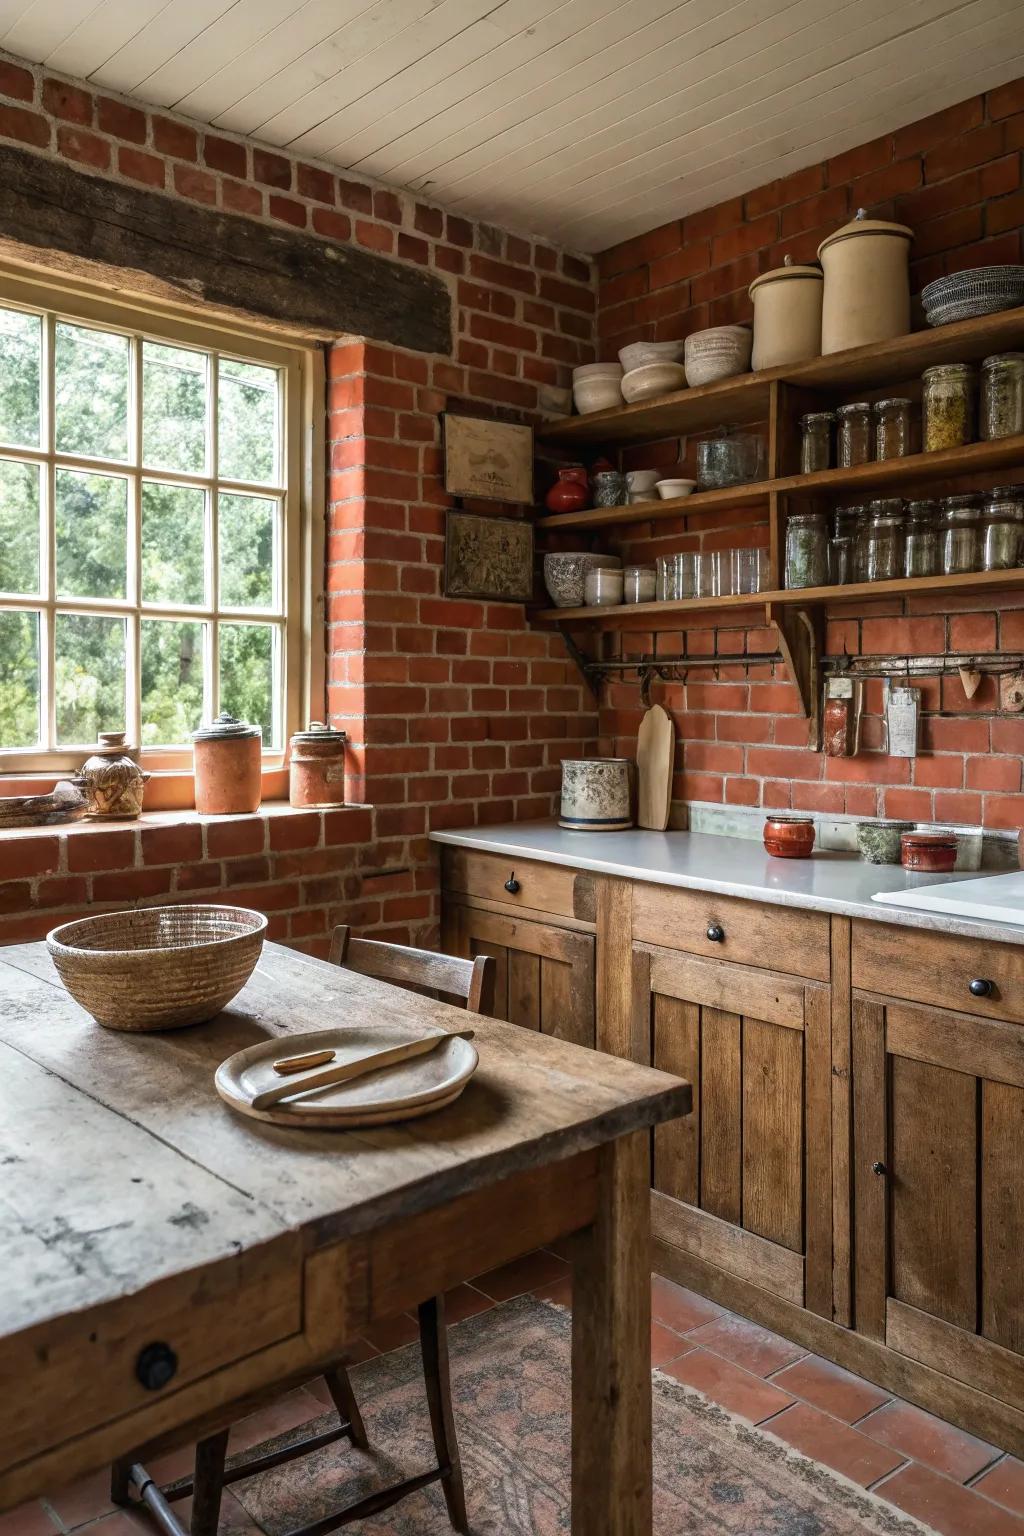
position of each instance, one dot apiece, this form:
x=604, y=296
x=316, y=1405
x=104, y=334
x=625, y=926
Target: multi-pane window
x=147, y=530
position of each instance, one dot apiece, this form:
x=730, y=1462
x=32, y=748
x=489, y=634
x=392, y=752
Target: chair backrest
x=421, y=970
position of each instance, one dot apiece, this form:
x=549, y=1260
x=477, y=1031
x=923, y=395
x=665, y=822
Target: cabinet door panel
x=721, y=1093
x=677, y=1144
x=545, y=975
x=523, y=989
x=1002, y=1215
x=773, y=1132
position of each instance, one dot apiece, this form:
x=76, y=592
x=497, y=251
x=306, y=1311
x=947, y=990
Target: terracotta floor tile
x=392, y=1333
x=679, y=1308
x=946, y=1506
x=667, y=1345
x=560, y=1291
x=831, y=1441
x=86, y=1499
x=925, y=1438
x=522, y=1275
x=124, y=1522
x=729, y=1385
x=465, y=1301
x=276, y=1418
x=747, y=1344
x=1005, y=1484
x=29, y=1519
x=830, y=1388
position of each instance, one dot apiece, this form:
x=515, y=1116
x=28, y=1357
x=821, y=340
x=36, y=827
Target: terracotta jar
x=570, y=492
x=934, y=852
x=789, y=837
x=112, y=780
x=867, y=283
x=787, y=315
x=316, y=771
x=228, y=763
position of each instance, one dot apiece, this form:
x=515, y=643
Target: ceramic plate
x=412, y=1088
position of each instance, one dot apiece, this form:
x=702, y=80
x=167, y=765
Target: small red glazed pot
x=931, y=852
x=789, y=837
x=570, y=492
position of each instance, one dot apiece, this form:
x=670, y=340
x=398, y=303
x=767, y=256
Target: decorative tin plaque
x=488, y=459
x=488, y=557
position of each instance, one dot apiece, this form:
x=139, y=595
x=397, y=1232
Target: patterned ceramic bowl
x=718, y=353
x=565, y=575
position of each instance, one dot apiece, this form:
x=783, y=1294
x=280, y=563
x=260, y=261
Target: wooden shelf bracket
x=800, y=633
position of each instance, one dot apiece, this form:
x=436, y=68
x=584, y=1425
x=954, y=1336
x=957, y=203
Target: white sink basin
x=995, y=898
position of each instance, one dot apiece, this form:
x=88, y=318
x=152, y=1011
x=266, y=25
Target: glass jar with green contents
x=947, y=406
x=883, y=540
x=1001, y=396
x=853, y=434
x=958, y=534
x=1001, y=536
x=806, y=550
x=921, y=539
x=816, y=441
x=892, y=428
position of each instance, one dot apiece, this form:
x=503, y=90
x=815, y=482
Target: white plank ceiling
x=586, y=121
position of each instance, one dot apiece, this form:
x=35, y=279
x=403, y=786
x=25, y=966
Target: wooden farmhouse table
x=138, y=1210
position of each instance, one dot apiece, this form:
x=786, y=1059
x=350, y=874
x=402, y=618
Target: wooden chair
x=467, y=981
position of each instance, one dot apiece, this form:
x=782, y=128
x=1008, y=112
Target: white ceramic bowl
x=672, y=490
x=565, y=575
x=718, y=353
x=642, y=479
x=640, y=352
x=652, y=380
x=597, y=371
x=596, y=395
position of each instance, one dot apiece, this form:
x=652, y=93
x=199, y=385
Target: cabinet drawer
x=938, y=968
x=748, y=932
x=539, y=887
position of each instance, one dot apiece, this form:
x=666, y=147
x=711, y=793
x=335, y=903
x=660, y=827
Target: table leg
x=611, y=1350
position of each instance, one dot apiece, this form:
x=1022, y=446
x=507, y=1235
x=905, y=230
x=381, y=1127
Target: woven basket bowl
x=157, y=967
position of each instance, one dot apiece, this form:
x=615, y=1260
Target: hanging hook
x=646, y=679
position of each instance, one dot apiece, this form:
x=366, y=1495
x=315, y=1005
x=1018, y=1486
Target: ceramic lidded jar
x=867, y=283
x=316, y=771
x=789, y=837
x=228, y=763
x=787, y=315
x=112, y=780
x=596, y=794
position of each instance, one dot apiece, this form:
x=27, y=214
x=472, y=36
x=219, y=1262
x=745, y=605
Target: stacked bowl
x=597, y=387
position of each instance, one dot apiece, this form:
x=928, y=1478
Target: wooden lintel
x=799, y=632
x=157, y=245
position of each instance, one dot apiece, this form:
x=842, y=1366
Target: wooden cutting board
x=655, y=752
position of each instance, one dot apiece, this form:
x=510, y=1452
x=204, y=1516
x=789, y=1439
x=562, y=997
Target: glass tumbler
x=749, y=569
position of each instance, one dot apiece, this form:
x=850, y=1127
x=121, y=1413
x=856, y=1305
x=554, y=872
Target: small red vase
x=570, y=492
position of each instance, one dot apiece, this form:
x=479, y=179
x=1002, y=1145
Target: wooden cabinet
x=939, y=1190
x=744, y=1182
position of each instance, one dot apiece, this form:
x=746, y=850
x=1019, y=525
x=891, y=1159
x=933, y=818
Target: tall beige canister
x=867, y=283
x=787, y=315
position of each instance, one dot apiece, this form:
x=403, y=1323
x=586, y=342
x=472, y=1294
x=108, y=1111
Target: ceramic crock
x=570, y=492
x=867, y=283
x=934, y=852
x=787, y=315
x=789, y=837
x=316, y=769
x=227, y=767
x=596, y=794
x=111, y=779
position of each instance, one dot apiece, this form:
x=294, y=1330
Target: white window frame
x=298, y=610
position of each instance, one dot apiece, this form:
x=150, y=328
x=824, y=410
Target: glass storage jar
x=892, y=428
x=734, y=458
x=1001, y=536
x=602, y=589
x=639, y=584
x=947, y=406
x=677, y=577
x=958, y=534
x=842, y=568
x=816, y=441
x=921, y=539
x=883, y=540
x=853, y=434
x=610, y=489
x=806, y=550
x=1001, y=396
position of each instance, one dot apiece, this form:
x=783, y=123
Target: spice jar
x=734, y=458
x=1001, y=534
x=934, y=852
x=1001, y=396
x=947, y=406
x=316, y=770
x=227, y=767
x=602, y=589
x=958, y=534
x=883, y=540
x=789, y=837
x=853, y=436
x=610, y=489
x=816, y=441
x=639, y=584
x=921, y=539
x=842, y=568
x=892, y=428
x=806, y=550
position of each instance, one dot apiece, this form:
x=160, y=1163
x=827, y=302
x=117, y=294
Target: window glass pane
x=92, y=534
x=20, y=340
x=91, y=392
x=90, y=677
x=173, y=531
x=19, y=679
x=173, y=408
x=247, y=422
x=19, y=527
x=246, y=535
x=172, y=681
x=247, y=673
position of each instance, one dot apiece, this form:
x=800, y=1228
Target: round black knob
x=880, y=1169
x=979, y=987
x=716, y=933
x=512, y=884
x=155, y=1366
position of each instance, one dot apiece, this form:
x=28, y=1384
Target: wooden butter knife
x=392, y=1056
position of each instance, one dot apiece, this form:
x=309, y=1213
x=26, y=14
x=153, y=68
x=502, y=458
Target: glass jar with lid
x=921, y=539
x=610, y=489
x=947, y=406
x=1001, y=535
x=1001, y=396
x=806, y=550
x=842, y=551
x=640, y=584
x=816, y=441
x=893, y=427
x=883, y=540
x=853, y=434
x=959, y=517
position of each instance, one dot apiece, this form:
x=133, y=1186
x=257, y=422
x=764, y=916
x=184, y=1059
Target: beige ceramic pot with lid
x=867, y=283
x=787, y=315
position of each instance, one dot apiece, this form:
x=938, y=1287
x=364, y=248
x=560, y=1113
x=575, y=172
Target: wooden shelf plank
x=660, y=511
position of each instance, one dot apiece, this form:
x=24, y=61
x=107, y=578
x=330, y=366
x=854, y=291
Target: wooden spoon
x=390, y=1057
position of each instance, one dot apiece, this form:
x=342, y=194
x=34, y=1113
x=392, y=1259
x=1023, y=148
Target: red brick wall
x=955, y=178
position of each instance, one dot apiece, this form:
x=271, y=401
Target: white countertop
x=732, y=866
